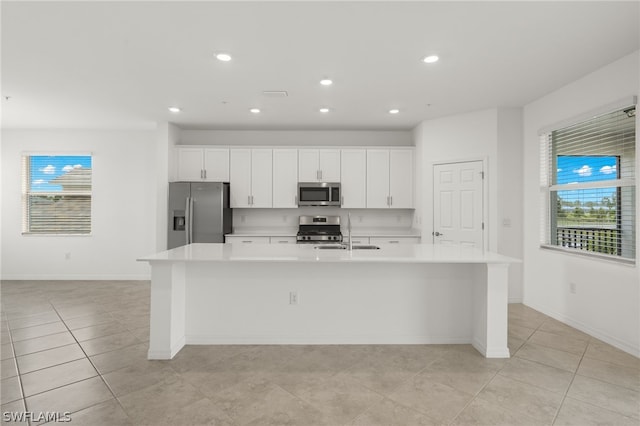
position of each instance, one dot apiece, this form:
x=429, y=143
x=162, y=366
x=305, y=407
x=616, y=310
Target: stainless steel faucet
x=349, y=227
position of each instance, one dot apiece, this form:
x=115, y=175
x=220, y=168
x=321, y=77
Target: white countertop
x=389, y=253
x=357, y=232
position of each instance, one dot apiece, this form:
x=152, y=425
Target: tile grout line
x=92, y=365
x=497, y=373
x=564, y=397
x=19, y=376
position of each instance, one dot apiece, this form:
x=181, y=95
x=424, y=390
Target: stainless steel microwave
x=319, y=194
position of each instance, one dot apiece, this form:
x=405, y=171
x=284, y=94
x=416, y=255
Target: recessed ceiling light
x=326, y=82
x=430, y=59
x=324, y=110
x=394, y=111
x=174, y=109
x=224, y=57
x=255, y=110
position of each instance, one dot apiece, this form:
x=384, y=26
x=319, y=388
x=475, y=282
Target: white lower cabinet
x=394, y=240
x=247, y=240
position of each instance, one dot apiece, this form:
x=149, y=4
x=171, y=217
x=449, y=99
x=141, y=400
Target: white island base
x=401, y=294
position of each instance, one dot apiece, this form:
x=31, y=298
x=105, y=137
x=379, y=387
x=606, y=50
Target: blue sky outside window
x=45, y=168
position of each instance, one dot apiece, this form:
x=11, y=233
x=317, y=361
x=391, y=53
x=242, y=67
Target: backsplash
x=288, y=218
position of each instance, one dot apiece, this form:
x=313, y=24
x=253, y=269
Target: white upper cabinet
x=401, y=178
x=377, y=178
x=354, y=178
x=203, y=164
x=216, y=164
x=319, y=165
x=390, y=178
x=285, y=178
x=251, y=178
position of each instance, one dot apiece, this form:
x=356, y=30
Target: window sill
x=590, y=255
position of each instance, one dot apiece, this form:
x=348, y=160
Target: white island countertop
x=388, y=253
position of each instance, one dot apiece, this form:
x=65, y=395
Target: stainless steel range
x=319, y=230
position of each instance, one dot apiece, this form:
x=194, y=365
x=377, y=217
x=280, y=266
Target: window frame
x=550, y=189
x=26, y=193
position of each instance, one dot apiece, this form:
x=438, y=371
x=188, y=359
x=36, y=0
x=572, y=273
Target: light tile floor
x=80, y=347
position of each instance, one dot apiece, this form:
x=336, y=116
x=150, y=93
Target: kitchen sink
x=345, y=247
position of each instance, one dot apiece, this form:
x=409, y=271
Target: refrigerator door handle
x=187, y=221
x=191, y=201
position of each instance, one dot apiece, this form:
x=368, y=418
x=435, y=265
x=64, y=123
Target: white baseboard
x=213, y=339
x=585, y=328
x=515, y=300
x=77, y=277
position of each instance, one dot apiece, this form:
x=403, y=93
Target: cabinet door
x=354, y=178
x=308, y=165
x=261, y=178
x=216, y=164
x=189, y=164
x=285, y=178
x=329, y=165
x=240, y=177
x=395, y=240
x=246, y=240
x=377, y=178
x=401, y=178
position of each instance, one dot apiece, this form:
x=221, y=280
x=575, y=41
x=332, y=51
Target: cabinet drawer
x=283, y=240
x=396, y=240
x=355, y=240
x=247, y=240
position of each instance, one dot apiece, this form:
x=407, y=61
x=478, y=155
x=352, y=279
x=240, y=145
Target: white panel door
x=216, y=164
x=261, y=178
x=189, y=164
x=354, y=178
x=458, y=203
x=401, y=179
x=285, y=178
x=377, y=178
x=329, y=165
x=308, y=165
x=240, y=177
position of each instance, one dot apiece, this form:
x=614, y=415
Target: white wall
x=124, y=198
x=607, y=301
x=478, y=135
x=296, y=137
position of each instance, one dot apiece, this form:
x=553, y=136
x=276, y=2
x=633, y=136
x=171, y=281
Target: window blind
x=587, y=175
x=56, y=194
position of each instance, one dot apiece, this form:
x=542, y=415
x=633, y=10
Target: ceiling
x=121, y=64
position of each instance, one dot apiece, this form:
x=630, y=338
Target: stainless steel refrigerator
x=198, y=213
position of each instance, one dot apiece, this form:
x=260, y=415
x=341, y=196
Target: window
x=588, y=186
x=56, y=194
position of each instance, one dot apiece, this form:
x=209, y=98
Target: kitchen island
x=297, y=294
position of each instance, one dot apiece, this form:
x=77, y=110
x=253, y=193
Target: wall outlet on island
x=67, y=256
x=572, y=288
x=293, y=297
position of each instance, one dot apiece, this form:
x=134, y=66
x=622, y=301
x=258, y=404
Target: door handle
x=249, y=200
x=390, y=200
x=205, y=173
x=187, y=221
x=437, y=234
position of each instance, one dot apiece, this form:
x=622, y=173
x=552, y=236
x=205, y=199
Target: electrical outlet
x=67, y=256
x=572, y=288
x=293, y=297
